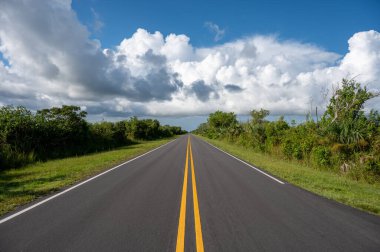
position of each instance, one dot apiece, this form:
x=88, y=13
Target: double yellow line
x=182, y=215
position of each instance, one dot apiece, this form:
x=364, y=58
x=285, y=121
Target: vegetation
x=345, y=142
x=22, y=185
x=26, y=137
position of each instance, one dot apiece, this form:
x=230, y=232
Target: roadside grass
x=358, y=194
x=22, y=185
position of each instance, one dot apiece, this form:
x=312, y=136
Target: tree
x=258, y=117
x=61, y=128
x=17, y=128
x=344, y=118
x=257, y=128
x=219, y=122
x=17, y=136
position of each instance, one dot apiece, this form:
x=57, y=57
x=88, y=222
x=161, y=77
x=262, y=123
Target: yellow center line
x=197, y=217
x=182, y=214
x=180, y=247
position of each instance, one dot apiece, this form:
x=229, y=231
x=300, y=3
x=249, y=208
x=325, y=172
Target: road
x=218, y=204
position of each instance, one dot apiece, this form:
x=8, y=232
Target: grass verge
x=358, y=194
x=23, y=185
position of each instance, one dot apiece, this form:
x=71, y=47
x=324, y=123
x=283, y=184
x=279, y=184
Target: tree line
x=346, y=140
x=26, y=137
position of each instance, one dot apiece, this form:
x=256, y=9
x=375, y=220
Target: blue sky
x=180, y=60
x=326, y=23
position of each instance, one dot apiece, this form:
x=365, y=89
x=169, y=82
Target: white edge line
x=255, y=168
x=77, y=185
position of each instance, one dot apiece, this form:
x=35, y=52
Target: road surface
x=188, y=195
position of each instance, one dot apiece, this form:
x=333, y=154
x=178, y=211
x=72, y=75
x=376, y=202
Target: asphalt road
x=225, y=205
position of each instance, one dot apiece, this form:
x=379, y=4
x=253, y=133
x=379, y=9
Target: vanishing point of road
x=187, y=196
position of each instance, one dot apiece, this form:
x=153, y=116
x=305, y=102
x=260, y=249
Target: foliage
x=60, y=132
x=344, y=119
x=321, y=156
x=220, y=123
x=346, y=140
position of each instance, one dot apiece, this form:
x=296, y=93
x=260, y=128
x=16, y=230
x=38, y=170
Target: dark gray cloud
x=202, y=91
x=157, y=86
x=233, y=88
x=153, y=59
x=8, y=94
x=108, y=110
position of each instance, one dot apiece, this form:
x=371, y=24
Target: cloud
x=98, y=24
x=53, y=51
x=233, y=88
x=53, y=61
x=214, y=28
x=364, y=56
x=203, y=91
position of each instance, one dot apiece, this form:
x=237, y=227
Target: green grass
x=357, y=194
x=23, y=185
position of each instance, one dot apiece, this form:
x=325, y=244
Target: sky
x=178, y=61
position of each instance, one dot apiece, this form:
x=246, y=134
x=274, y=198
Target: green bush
x=372, y=165
x=342, y=151
x=307, y=146
x=287, y=148
x=321, y=156
x=297, y=152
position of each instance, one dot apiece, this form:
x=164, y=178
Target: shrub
x=372, y=165
x=321, y=156
x=287, y=148
x=342, y=151
x=307, y=146
x=297, y=152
